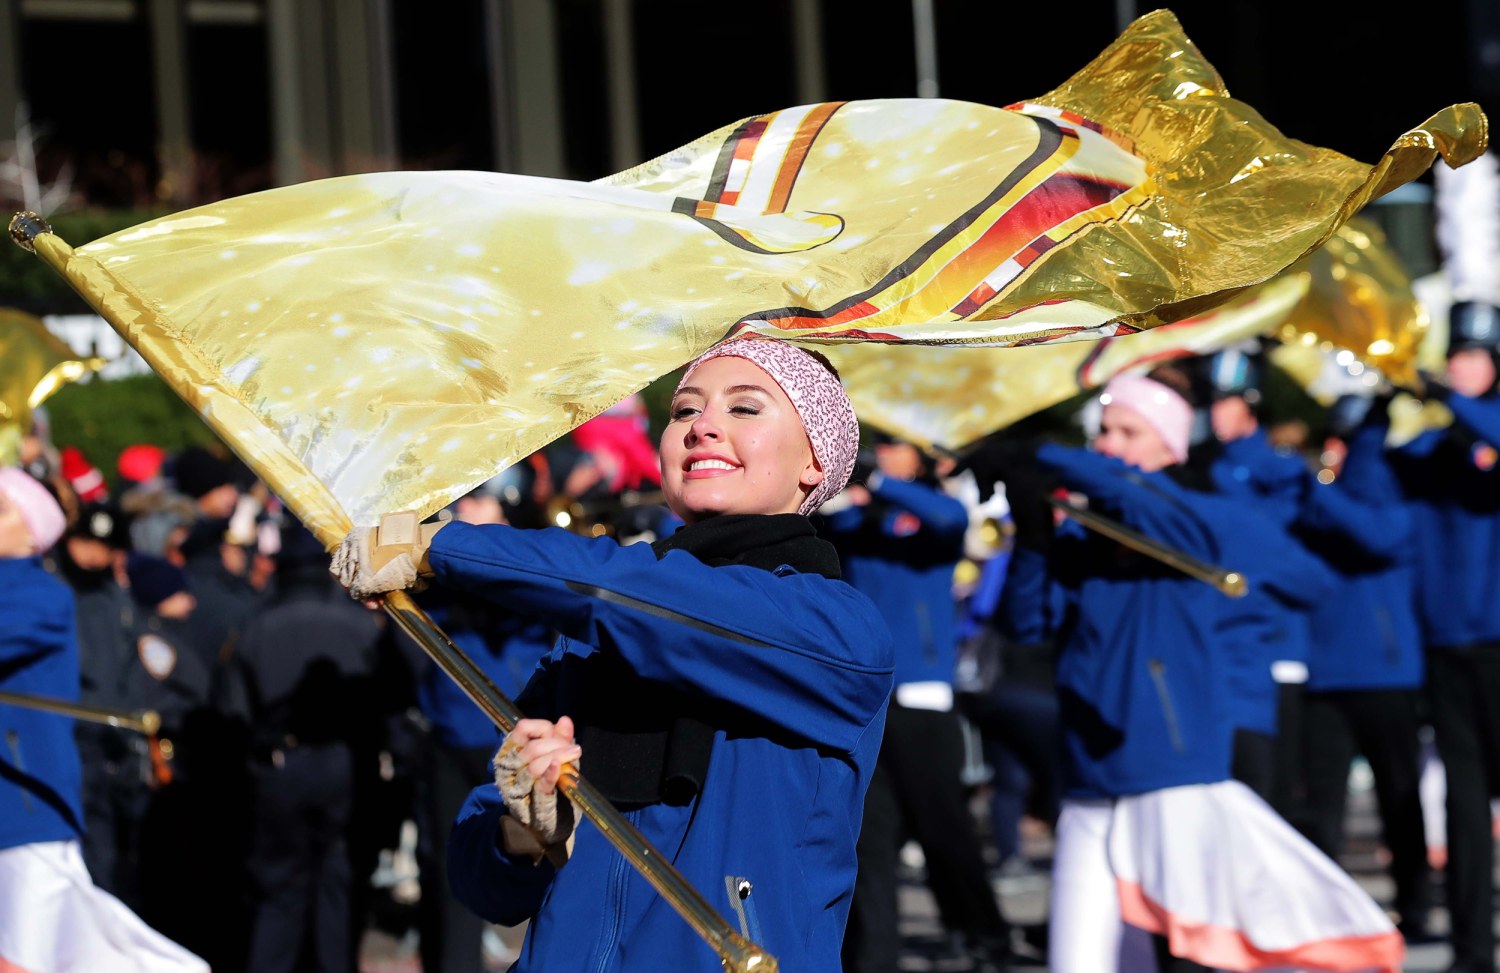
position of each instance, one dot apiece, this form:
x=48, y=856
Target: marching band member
x=1153, y=832
x=1366, y=669
x=1452, y=481
x=899, y=540
x=722, y=687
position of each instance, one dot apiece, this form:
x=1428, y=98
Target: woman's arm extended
x=807, y=654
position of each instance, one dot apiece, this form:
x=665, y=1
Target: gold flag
x=385, y=341
x=1361, y=301
x=946, y=398
x=34, y=363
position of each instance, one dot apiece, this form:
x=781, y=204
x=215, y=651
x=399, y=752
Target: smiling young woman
x=721, y=686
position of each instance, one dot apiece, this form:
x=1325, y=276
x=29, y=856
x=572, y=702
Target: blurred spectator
x=116, y=765
x=309, y=657
x=462, y=738
x=83, y=476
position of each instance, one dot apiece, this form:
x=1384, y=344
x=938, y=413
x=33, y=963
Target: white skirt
x=54, y=919
x=1220, y=875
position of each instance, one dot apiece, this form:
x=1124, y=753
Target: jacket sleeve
x=1022, y=616
x=1275, y=560
x=35, y=622
x=939, y=513
x=1149, y=503
x=811, y=655
x=1364, y=509
x=1480, y=416
x=494, y=885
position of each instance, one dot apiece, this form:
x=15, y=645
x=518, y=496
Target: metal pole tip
x=26, y=227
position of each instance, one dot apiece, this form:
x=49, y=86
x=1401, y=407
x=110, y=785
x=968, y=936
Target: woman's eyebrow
x=737, y=389
x=688, y=390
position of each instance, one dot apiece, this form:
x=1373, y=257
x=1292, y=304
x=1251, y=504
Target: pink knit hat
x=819, y=399
x=1166, y=411
x=43, y=517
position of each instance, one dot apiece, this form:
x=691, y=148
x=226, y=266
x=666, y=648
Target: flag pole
x=737, y=954
x=144, y=721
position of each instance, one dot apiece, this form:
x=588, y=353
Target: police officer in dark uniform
x=116, y=765
x=308, y=658
x=1451, y=479
x=187, y=862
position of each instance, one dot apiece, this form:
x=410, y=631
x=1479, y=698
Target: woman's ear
x=811, y=474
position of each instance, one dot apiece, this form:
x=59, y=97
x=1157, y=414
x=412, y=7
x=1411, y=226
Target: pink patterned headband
x=819, y=399
x=1162, y=408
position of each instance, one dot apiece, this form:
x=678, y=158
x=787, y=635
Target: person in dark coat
x=117, y=774
x=308, y=658
x=1451, y=479
x=216, y=566
x=729, y=692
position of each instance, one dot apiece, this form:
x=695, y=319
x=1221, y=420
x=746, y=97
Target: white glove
x=536, y=824
x=371, y=561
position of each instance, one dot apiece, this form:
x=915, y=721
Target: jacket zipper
x=617, y=880
x=739, y=889
x=1158, y=672
x=13, y=740
x=1388, y=634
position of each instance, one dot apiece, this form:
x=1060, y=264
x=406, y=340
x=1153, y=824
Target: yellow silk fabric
x=34, y=363
x=949, y=397
x=382, y=342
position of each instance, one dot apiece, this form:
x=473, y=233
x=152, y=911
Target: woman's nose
x=705, y=427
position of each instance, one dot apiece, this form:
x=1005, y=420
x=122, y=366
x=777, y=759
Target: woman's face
x=15, y=536
x=1126, y=435
x=735, y=445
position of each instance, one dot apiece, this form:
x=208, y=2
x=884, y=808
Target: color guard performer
x=722, y=687
x=1154, y=835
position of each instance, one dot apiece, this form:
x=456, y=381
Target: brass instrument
x=1231, y=583
x=593, y=519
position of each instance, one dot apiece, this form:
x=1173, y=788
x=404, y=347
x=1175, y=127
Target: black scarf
x=647, y=743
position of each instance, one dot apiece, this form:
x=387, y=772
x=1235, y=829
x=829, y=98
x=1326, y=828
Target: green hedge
x=102, y=418
x=30, y=285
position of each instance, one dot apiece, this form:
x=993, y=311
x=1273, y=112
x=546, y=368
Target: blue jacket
x=800, y=668
x=901, y=551
x=1142, y=670
x=507, y=648
x=1273, y=620
x=40, y=776
x=1453, y=482
x=1252, y=468
x=1365, y=634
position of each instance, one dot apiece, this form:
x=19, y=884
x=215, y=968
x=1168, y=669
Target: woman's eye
x=683, y=411
x=745, y=410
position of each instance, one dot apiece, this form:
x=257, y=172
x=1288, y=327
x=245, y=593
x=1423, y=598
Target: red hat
x=83, y=476
x=140, y=462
